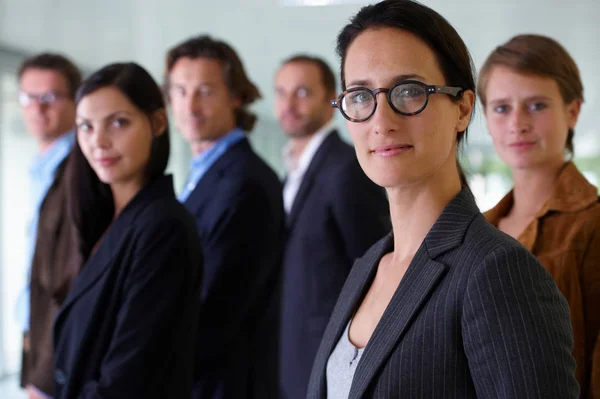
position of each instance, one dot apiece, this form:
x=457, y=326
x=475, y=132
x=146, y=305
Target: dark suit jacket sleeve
x=360, y=209
x=517, y=329
x=242, y=245
x=158, y=286
x=590, y=283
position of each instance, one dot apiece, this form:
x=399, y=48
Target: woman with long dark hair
x=126, y=329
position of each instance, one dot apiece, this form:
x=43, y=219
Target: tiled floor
x=9, y=388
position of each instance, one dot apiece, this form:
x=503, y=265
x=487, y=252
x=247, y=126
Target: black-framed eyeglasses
x=26, y=99
x=407, y=97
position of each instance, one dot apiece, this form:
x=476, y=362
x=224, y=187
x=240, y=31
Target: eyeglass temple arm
x=453, y=91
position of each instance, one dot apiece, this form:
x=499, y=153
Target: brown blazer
x=56, y=262
x=565, y=237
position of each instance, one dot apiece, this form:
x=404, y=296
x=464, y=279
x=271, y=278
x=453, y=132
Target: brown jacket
x=56, y=262
x=565, y=237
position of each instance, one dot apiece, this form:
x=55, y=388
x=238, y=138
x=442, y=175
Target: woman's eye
x=119, y=123
x=411, y=92
x=537, y=106
x=84, y=127
x=501, y=109
x=360, y=97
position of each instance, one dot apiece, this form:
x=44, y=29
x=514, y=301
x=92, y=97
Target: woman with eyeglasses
x=127, y=327
x=446, y=305
x=531, y=93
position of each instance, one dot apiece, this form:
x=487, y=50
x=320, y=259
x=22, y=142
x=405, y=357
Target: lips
x=106, y=162
x=390, y=150
x=522, y=145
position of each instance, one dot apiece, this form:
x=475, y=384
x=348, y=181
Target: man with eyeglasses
x=47, y=84
x=334, y=214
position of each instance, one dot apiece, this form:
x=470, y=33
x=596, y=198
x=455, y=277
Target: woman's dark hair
x=540, y=56
x=450, y=51
x=91, y=200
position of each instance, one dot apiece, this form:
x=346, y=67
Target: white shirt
x=297, y=167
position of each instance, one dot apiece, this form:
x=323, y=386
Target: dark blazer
x=336, y=216
x=127, y=327
x=475, y=316
x=238, y=208
x=55, y=264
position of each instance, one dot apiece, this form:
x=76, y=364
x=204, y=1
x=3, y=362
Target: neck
x=532, y=188
x=298, y=144
x=415, y=208
x=201, y=145
x=44, y=145
x=123, y=193
x=198, y=147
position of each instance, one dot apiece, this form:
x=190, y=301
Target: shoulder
x=162, y=215
x=493, y=255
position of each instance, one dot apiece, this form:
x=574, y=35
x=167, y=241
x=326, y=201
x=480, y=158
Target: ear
x=159, y=122
x=465, y=110
x=573, y=110
x=236, y=101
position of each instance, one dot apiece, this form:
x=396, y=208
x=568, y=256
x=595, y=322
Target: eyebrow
x=111, y=116
x=397, y=78
x=526, y=99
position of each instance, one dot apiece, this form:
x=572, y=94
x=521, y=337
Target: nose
x=286, y=102
x=520, y=121
x=385, y=119
x=193, y=103
x=101, y=139
x=37, y=107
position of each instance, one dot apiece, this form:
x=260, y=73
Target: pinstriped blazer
x=475, y=316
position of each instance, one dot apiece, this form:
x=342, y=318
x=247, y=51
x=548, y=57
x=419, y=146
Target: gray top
x=341, y=367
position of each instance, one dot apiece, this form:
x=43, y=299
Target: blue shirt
x=41, y=177
x=202, y=162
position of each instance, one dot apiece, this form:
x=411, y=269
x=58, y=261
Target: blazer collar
x=113, y=240
x=320, y=157
x=421, y=278
x=571, y=193
x=204, y=190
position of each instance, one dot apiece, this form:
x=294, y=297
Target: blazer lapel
x=115, y=239
x=415, y=287
x=421, y=278
x=358, y=281
x=98, y=264
x=205, y=188
x=310, y=175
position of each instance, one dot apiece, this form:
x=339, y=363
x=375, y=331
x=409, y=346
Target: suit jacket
x=336, y=216
x=475, y=316
x=238, y=208
x=54, y=266
x=127, y=327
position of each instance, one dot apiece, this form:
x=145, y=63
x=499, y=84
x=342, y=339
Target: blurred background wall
x=94, y=33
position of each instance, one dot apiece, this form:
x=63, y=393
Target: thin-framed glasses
x=27, y=99
x=407, y=97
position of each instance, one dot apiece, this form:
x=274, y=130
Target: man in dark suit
x=47, y=85
x=236, y=199
x=334, y=213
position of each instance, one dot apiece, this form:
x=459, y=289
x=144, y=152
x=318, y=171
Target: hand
x=26, y=342
x=32, y=393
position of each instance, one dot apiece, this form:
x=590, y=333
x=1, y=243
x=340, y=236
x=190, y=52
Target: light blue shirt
x=41, y=178
x=202, y=162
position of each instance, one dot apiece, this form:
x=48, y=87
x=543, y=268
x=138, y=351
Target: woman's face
x=115, y=136
x=393, y=149
x=528, y=118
